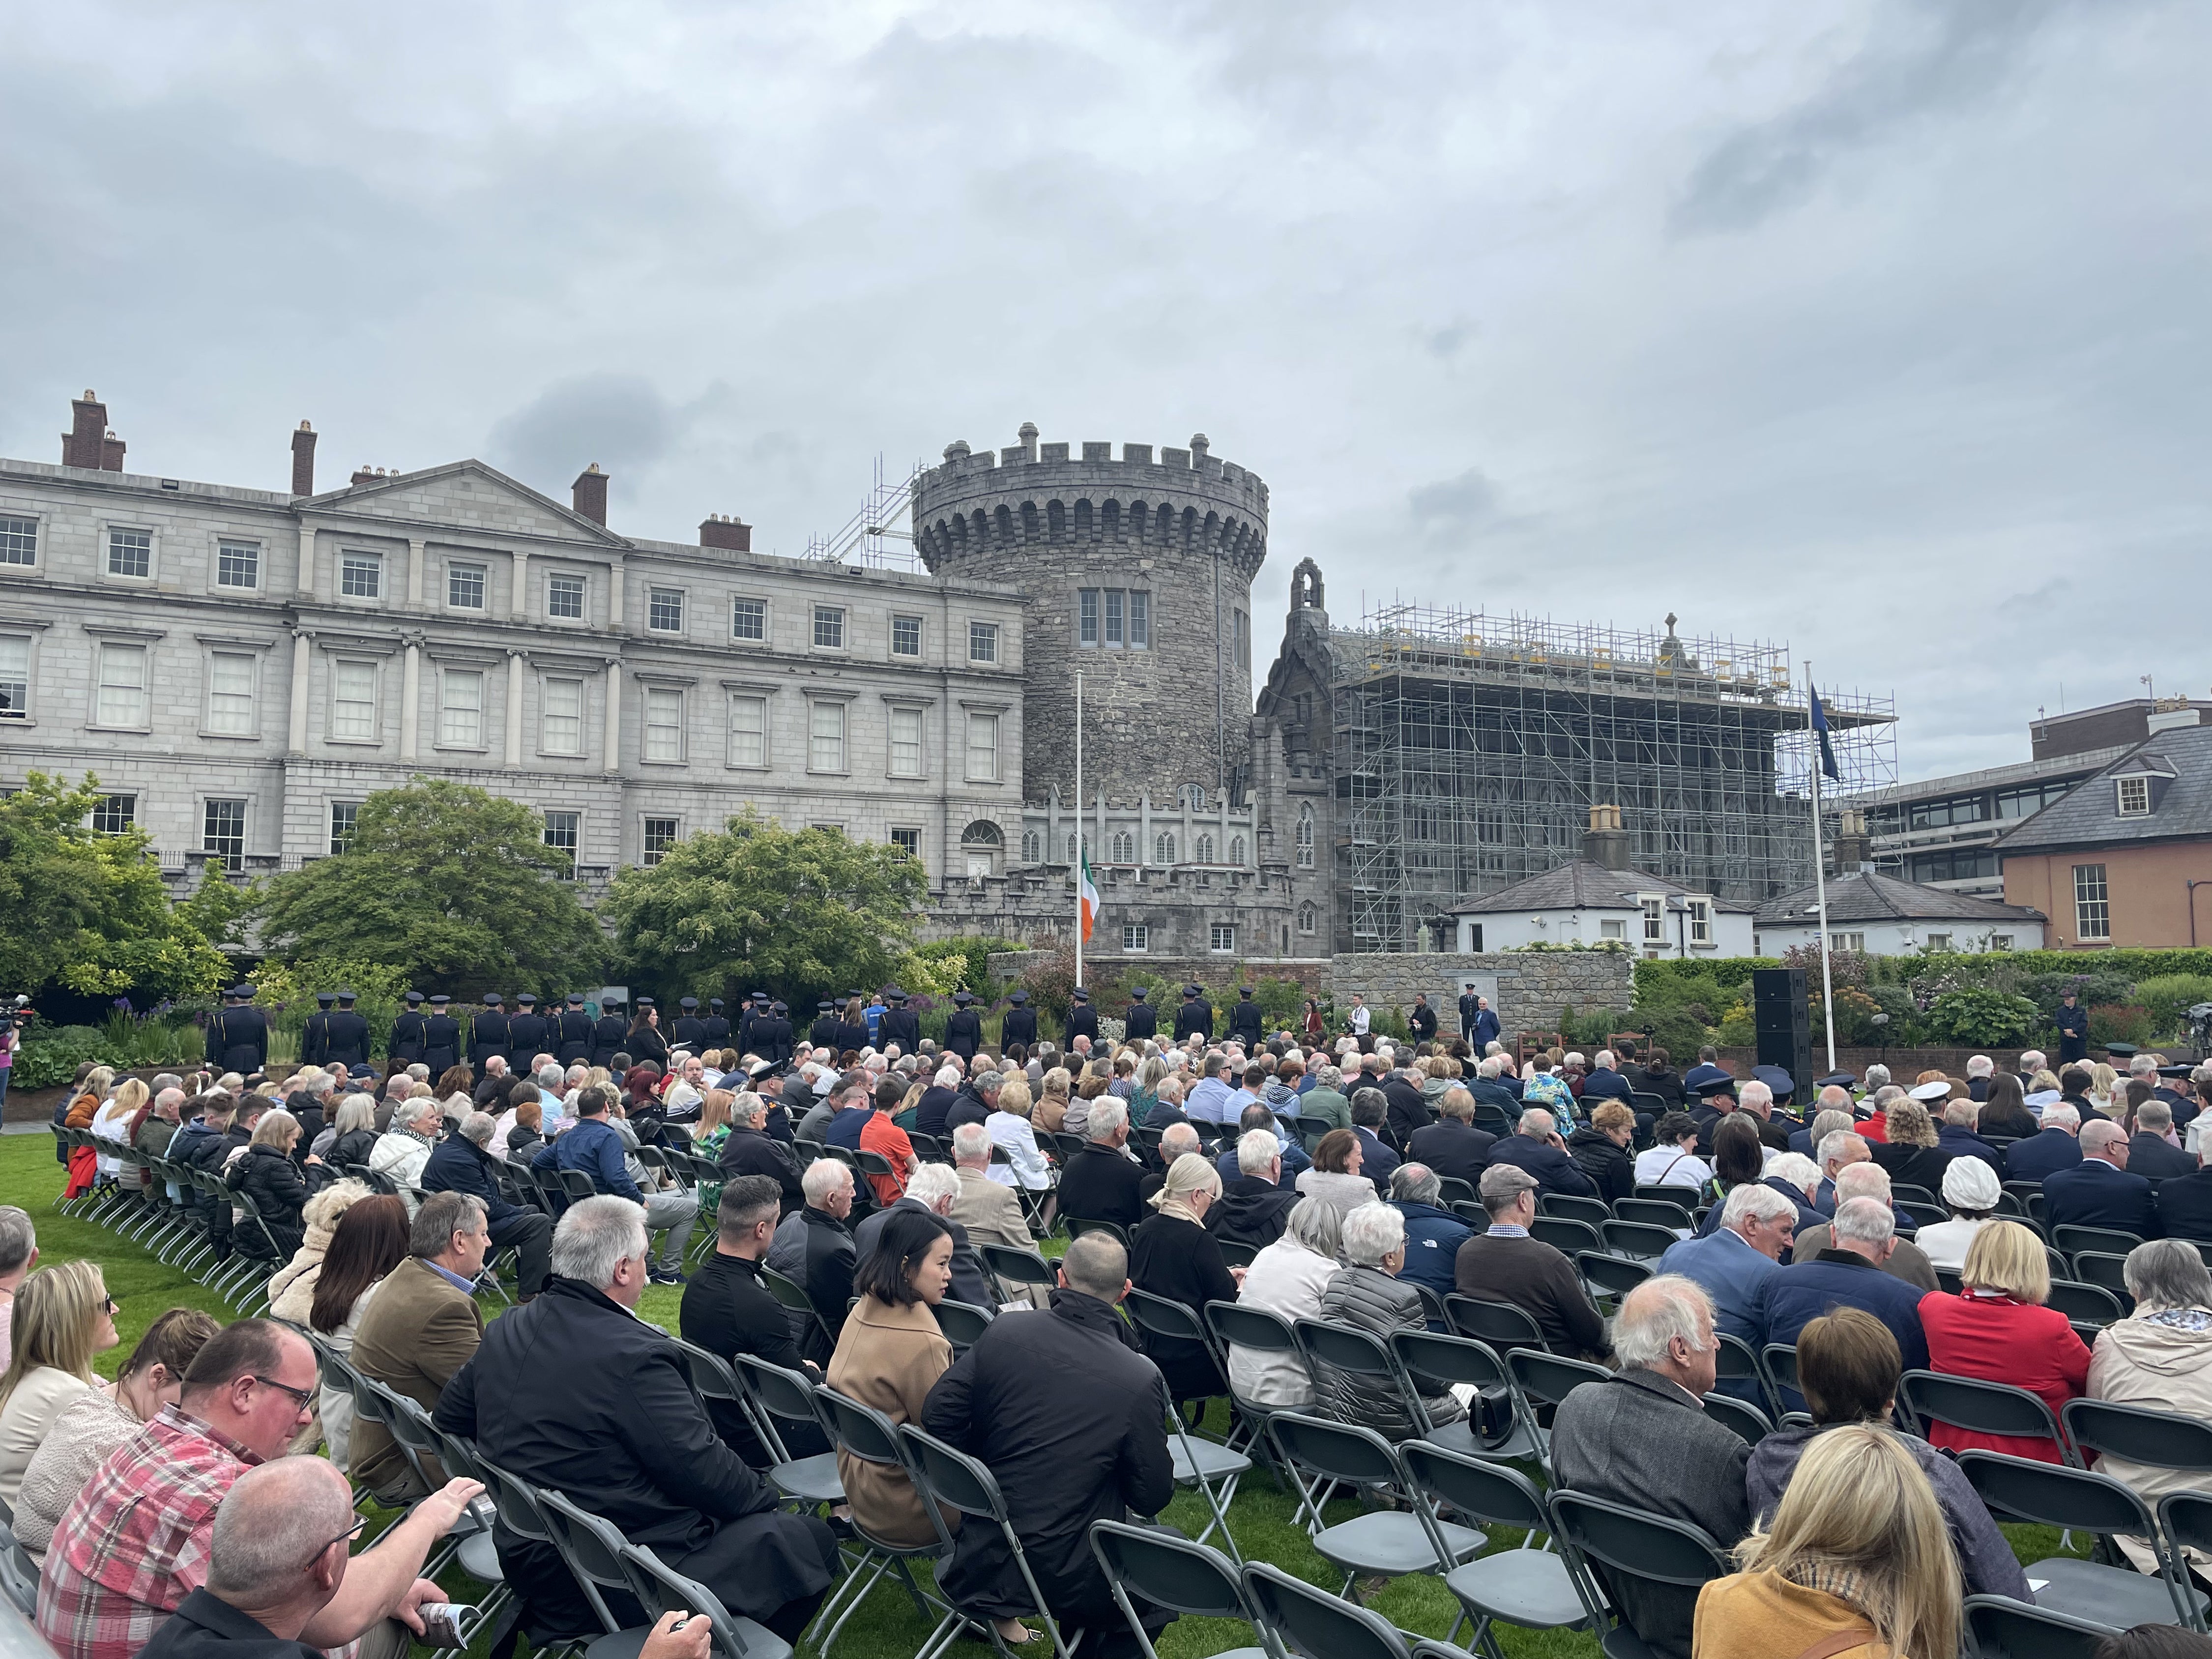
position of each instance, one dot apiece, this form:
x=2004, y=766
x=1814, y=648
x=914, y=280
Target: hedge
x=1654, y=978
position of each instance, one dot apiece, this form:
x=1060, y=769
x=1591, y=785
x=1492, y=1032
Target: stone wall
x=1312, y=973
x=1528, y=989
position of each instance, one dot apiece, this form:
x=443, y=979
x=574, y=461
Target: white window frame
x=981, y=758
x=1136, y=937
x=375, y=734
x=737, y=759
x=1847, y=942
x=2093, y=901
x=841, y=766
x=1032, y=846
x=1221, y=939
x=658, y=599
x=902, y=619
x=364, y=558
x=914, y=764
x=1201, y=850
x=19, y=533
x=237, y=545
x=1615, y=929
x=664, y=700
x=1937, y=942
x=450, y=679
x=1701, y=921
x=836, y=619
x=21, y=714
x=207, y=807
x=1122, y=847
x=153, y=549
x=1163, y=846
x=570, y=684
x=647, y=854
x=908, y=840
x=583, y=585
x=2131, y=798
x=1654, y=909
x=576, y=830
x=1309, y=918
x=337, y=843
x=100, y=686
x=458, y=567
x=1306, y=837
x=982, y=641
x=760, y=638
x=130, y=815
x=252, y=694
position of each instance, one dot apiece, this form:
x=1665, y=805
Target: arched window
x=1125, y=847
x=1194, y=795
x=1236, y=850
x=1305, y=842
x=1164, y=847
x=1204, y=852
x=1032, y=846
x=1074, y=847
x=1309, y=918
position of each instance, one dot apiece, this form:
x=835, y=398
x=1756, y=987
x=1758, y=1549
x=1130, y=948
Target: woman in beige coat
x=889, y=1355
x=2159, y=1357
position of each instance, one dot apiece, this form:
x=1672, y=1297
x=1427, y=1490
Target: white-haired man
x=2052, y=1148
x=1535, y=1146
x=1980, y=1069
x=1849, y=1273
x=814, y=1249
x=1100, y=1181
x=989, y=1211
x=1906, y=1259
x=1253, y=1206
x=1756, y=1100
x=1736, y=1260
x=932, y=1190
x=1642, y=1438
x=576, y=1395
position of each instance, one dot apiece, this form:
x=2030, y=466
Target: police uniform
x=2073, y=1032
x=1244, y=1022
x=689, y=1031
x=1196, y=1016
x=441, y=1039
x=527, y=1031
x=489, y=1034
x=572, y=1033
x=901, y=1024
x=963, y=1031
x=406, y=1042
x=607, y=1034
x=238, y=1036
x=822, y=1034
x=345, y=1035
x=1469, y=1006
x=772, y=1036
x=315, y=1035
x=1082, y=1020
x=1142, y=1019
x=1020, y=1022
x=715, y=1028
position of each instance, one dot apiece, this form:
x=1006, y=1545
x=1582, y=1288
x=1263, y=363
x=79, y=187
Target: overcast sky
x=1878, y=327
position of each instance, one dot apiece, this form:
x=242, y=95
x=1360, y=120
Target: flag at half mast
x=1820, y=732
x=1086, y=895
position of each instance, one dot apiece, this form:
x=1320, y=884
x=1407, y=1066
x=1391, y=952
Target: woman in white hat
x=1971, y=1192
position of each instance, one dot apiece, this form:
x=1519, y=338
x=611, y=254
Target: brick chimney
x=1605, y=842
x=364, y=474
x=731, y=533
x=591, y=493
x=303, y=460
x=111, y=453
x=85, y=444
x=1854, y=847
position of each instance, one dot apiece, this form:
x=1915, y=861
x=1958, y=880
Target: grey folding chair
x=661, y=1589
x=2056, y=1495
x=866, y=1433
x=1384, y=1543
x=1530, y=1588
x=952, y=1479
x=777, y=1394
x=1999, y=1627
x=1171, y=1572
x=1302, y=1617
x=1651, y=1548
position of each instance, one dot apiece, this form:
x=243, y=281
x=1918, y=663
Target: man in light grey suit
x=1642, y=1438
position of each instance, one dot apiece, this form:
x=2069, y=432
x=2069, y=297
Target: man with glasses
x=136, y=1542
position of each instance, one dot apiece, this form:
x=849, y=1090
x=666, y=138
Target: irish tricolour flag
x=1086, y=895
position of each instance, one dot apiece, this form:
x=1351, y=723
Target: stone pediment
x=465, y=496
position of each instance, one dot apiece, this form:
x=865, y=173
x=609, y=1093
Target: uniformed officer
x=1142, y=1020
x=347, y=1034
x=315, y=1035
x=1470, y=1006
x=1245, y=1023
x=901, y=1024
x=527, y=1031
x=755, y=1009
x=407, y=1030
x=715, y=1027
x=964, y=1030
x=822, y=1034
x=2073, y=1029
x=608, y=1034
x=487, y=1033
x=1421, y=1019
x=238, y=1036
x=689, y=1030
x=1194, y=1017
x=1082, y=1019
x=572, y=1031
x=1020, y=1023
x=772, y=1036
x=442, y=1038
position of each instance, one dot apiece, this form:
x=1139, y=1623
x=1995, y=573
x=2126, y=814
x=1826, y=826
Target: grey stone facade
x=240, y=666
x=1528, y=989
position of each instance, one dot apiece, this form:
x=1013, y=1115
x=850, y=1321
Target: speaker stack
x=1785, y=1023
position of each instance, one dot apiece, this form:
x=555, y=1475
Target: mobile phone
x=443, y=1623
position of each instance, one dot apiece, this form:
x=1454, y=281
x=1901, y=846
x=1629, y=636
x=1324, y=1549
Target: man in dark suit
x=1535, y=1146
x=1082, y=1019
x=1142, y=1019
x=2053, y=1148
x=527, y=1031
x=2073, y=1029
x=727, y=1310
x=2149, y=1152
x=1099, y=1182
x=1452, y=1145
x=406, y=1040
x=1408, y=1110
x=572, y=1031
x=1862, y=1239
x=488, y=1034
x=689, y=1031
x=902, y=1025
x=1370, y=1111
x=348, y=1042
x=1246, y=1023
x=714, y=1029
x=963, y=1029
x=315, y=1034
x=1642, y=1438
x=2184, y=1207
x=1018, y=1023
x=2100, y=1191
x=1421, y=1019
x=772, y=1034
x=608, y=1033
x=1604, y=1083
x=1196, y=1016
x=822, y=1034
x=238, y=1037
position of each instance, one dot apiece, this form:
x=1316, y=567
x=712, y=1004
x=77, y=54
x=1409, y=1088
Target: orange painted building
x=2125, y=858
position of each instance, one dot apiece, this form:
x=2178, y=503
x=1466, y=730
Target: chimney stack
x=303, y=460
x=590, y=493
x=731, y=533
x=88, y=443
x=364, y=474
x=1854, y=847
x=1605, y=842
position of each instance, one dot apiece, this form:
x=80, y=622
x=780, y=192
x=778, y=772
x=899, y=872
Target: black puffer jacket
x=351, y=1148
x=273, y=1181
x=1609, y=1167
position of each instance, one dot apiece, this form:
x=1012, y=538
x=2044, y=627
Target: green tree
x=88, y=909
x=804, y=910
x=450, y=885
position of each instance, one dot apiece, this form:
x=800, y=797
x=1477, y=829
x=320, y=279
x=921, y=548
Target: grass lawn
x=887, y=1628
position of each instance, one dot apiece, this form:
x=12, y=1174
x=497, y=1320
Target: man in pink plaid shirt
x=135, y=1542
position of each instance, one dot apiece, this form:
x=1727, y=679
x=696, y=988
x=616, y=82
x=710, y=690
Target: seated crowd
x=1367, y=1186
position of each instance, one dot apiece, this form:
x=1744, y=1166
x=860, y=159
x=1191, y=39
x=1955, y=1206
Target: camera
x=20, y=1013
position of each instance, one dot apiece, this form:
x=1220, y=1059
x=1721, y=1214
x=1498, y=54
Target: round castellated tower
x=1139, y=573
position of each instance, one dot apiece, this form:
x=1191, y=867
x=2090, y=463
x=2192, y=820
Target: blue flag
x=1821, y=731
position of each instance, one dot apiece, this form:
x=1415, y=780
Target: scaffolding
x=866, y=538
x=1473, y=747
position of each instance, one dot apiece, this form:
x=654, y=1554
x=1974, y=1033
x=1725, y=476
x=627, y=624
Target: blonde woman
x=1857, y=1548
x=111, y=1121
x=1009, y=1126
x=1997, y=1329
x=1171, y=1255
x=2105, y=1092
x=63, y=1315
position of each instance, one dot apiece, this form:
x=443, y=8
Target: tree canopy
x=87, y=909
x=804, y=910
x=451, y=885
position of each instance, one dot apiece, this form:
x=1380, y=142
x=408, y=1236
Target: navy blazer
x=1733, y=1274
x=2035, y=1156
x=1798, y=1294
x=2184, y=1207
x=2154, y=1157
x=2093, y=1194
x=1554, y=1171
x=1958, y=1142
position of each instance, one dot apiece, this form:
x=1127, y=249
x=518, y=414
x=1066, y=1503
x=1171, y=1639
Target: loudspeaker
x=1785, y=1024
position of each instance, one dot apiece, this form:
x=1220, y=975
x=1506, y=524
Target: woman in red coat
x=1997, y=1330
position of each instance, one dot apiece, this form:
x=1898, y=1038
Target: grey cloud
x=620, y=421
x=1455, y=505
x=1925, y=58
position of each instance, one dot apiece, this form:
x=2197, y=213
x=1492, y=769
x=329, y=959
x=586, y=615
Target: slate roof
x=2090, y=814
x=1584, y=884
x=1863, y=895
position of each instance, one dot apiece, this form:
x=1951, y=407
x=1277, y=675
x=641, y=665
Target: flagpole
x=1820, y=865
x=1076, y=873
